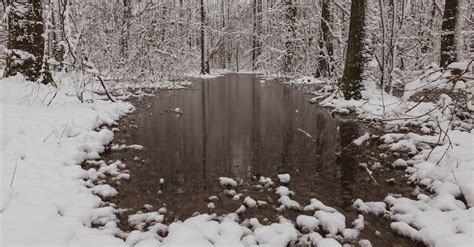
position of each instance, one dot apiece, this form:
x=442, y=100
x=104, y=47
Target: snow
x=283, y=191
x=251, y=203
x=224, y=181
x=287, y=202
x=305, y=80
x=328, y=242
x=459, y=65
x=331, y=222
x=377, y=208
x=399, y=163
x=315, y=204
x=441, y=159
x=284, y=178
x=104, y=190
x=265, y=181
x=49, y=203
x=140, y=219
x=361, y=139
x=308, y=223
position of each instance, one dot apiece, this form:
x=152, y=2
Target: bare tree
x=351, y=83
x=257, y=27
x=290, y=18
x=448, y=37
x=204, y=62
x=325, y=41
x=25, y=41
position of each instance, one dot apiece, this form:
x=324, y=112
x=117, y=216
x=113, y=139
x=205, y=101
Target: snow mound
x=224, y=181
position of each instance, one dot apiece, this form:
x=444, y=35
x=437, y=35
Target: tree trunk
x=25, y=42
x=448, y=39
x=127, y=12
x=257, y=26
x=204, y=64
x=325, y=43
x=351, y=83
x=290, y=17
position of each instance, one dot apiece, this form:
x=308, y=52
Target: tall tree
x=257, y=29
x=25, y=41
x=204, y=62
x=290, y=17
x=448, y=38
x=127, y=12
x=351, y=83
x=325, y=43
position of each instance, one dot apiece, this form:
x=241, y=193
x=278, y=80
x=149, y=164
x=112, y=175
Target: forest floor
x=48, y=198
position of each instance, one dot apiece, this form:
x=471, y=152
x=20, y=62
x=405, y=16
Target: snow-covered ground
x=45, y=135
x=49, y=199
x=440, y=138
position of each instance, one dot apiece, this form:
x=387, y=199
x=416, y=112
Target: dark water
x=237, y=127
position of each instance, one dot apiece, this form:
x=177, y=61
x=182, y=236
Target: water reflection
x=237, y=127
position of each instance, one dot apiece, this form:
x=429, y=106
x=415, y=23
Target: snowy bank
x=45, y=136
x=439, y=137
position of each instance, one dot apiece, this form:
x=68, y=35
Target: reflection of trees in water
x=348, y=131
x=234, y=126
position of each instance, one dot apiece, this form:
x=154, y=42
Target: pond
x=240, y=127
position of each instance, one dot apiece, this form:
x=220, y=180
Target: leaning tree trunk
x=25, y=42
x=325, y=42
x=448, y=39
x=351, y=83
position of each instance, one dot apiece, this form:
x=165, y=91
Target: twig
x=63, y=133
x=105, y=89
x=51, y=100
x=307, y=134
x=13, y=176
x=44, y=140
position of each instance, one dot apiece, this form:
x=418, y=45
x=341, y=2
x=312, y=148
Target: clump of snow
x=331, y=222
x=361, y=139
x=251, y=203
x=377, y=208
x=140, y=219
x=307, y=223
x=315, y=204
x=104, y=190
x=265, y=181
x=399, y=163
x=211, y=205
x=287, y=202
x=224, y=181
x=284, y=178
x=283, y=191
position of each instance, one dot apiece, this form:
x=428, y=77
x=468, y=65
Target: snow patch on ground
x=46, y=133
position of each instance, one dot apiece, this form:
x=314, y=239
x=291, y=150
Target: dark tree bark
x=257, y=27
x=204, y=63
x=448, y=38
x=326, y=49
x=290, y=16
x=127, y=12
x=25, y=42
x=351, y=83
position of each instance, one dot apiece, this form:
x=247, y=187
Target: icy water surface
x=235, y=126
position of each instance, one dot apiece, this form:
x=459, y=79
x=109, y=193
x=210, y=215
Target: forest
x=216, y=122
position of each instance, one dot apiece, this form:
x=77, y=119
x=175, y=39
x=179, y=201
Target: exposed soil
x=235, y=126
